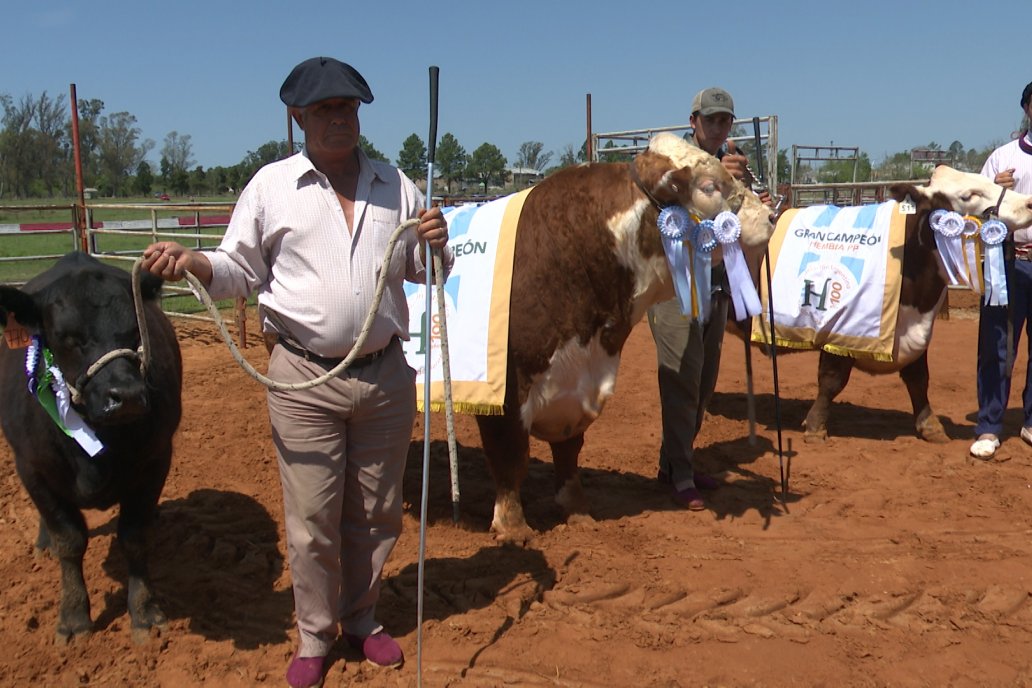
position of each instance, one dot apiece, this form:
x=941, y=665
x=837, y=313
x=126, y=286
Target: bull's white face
x=973, y=194
x=714, y=189
x=710, y=182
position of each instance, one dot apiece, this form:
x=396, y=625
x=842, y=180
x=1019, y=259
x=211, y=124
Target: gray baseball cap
x=710, y=101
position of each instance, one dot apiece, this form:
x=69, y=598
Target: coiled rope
x=202, y=295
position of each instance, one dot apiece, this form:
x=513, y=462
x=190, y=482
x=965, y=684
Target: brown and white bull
x=922, y=294
x=588, y=263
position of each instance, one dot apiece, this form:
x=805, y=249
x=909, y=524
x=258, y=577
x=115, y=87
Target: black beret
x=1026, y=95
x=320, y=78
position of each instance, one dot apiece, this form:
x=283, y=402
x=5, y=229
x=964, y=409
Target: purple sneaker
x=305, y=672
x=703, y=481
x=379, y=649
x=690, y=498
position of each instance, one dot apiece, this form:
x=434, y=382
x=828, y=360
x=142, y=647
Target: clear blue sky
x=882, y=75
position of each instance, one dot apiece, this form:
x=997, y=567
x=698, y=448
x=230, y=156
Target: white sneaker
x=1026, y=434
x=986, y=445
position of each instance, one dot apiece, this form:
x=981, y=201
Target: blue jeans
x=994, y=377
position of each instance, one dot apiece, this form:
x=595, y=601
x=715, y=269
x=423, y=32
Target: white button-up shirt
x=288, y=240
x=1010, y=155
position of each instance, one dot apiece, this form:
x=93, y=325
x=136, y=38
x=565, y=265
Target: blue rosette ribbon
x=946, y=222
x=703, y=241
x=675, y=225
x=727, y=229
x=948, y=229
x=993, y=234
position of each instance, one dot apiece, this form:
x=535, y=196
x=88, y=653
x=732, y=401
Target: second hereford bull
x=922, y=293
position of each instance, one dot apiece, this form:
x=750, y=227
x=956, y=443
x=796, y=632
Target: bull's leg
x=136, y=515
x=63, y=532
x=568, y=492
x=927, y=424
x=507, y=446
x=832, y=376
x=134, y=520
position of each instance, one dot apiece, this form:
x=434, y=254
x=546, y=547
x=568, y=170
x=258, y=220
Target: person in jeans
x=1010, y=166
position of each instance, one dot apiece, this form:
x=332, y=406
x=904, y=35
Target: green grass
x=26, y=254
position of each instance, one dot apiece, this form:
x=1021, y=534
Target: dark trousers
x=688, y=356
x=994, y=376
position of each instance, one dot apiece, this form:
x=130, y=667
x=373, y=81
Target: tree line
x=36, y=157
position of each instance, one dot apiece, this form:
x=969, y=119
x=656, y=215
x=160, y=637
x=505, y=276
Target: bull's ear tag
x=907, y=207
x=16, y=336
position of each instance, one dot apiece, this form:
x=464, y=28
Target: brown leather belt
x=331, y=363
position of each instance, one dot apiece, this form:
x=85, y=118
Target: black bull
x=82, y=309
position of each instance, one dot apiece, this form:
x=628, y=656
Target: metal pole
x=587, y=146
x=431, y=154
x=773, y=344
x=80, y=215
x=290, y=134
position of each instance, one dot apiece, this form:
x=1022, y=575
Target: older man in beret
x=309, y=234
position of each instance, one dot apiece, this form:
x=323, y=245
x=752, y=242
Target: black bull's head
x=80, y=311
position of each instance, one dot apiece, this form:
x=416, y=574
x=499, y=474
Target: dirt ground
x=891, y=562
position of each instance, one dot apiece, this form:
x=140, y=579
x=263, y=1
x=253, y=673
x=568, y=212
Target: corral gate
x=806, y=189
x=201, y=227
x=634, y=141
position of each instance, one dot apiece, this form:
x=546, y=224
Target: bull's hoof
x=519, y=536
x=141, y=635
x=815, y=436
x=148, y=623
x=930, y=430
x=508, y=522
x=571, y=499
x=935, y=437
x=65, y=636
x=580, y=520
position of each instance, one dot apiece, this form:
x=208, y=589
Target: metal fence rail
x=123, y=241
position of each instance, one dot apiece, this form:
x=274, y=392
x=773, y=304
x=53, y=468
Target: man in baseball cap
x=688, y=351
x=711, y=101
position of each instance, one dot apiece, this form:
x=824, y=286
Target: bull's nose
x=124, y=403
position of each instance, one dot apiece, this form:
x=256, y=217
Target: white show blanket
x=836, y=280
x=476, y=309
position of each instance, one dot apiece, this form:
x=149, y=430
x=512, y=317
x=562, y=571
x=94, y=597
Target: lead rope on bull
x=202, y=295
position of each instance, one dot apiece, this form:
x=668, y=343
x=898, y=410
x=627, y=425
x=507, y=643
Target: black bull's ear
x=150, y=286
x=22, y=305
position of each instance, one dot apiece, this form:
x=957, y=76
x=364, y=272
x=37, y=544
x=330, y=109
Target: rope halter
x=140, y=355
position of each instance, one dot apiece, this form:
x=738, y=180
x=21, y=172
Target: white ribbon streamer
x=73, y=422
x=948, y=229
x=728, y=229
x=993, y=233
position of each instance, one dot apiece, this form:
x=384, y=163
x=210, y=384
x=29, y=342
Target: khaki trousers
x=342, y=448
